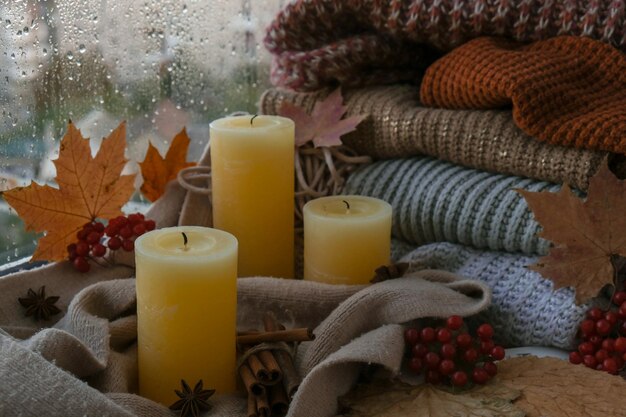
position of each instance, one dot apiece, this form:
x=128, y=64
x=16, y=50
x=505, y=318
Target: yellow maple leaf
x=587, y=234
x=158, y=171
x=89, y=188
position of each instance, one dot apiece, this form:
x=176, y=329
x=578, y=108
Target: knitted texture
x=566, y=90
x=316, y=42
x=96, y=341
x=397, y=126
x=525, y=309
x=435, y=201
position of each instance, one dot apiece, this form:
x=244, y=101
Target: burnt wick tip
x=253, y=117
x=347, y=204
x=185, y=240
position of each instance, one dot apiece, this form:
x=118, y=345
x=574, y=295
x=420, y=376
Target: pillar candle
x=252, y=164
x=186, y=310
x=346, y=238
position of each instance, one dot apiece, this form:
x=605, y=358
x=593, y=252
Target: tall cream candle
x=186, y=310
x=252, y=164
x=346, y=238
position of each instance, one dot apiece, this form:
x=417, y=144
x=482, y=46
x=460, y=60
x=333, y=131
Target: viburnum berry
x=444, y=335
x=586, y=348
x=98, y=250
x=82, y=248
x=128, y=245
x=446, y=367
x=432, y=360
x=497, y=353
x=610, y=365
x=415, y=365
x=485, y=331
x=419, y=350
x=620, y=344
x=608, y=345
x=619, y=298
x=115, y=243
x=411, y=336
x=452, y=355
x=463, y=340
x=486, y=346
x=150, y=225
x=470, y=355
x=459, y=379
x=454, y=322
x=81, y=264
x=93, y=239
x=590, y=361
x=427, y=334
x=480, y=376
x=588, y=327
x=491, y=368
x=448, y=350
x=595, y=314
x=575, y=358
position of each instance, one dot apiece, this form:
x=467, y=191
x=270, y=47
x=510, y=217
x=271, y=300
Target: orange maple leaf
x=89, y=188
x=587, y=234
x=158, y=171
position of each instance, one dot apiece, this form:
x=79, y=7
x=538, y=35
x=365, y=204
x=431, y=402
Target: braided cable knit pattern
x=525, y=309
x=435, y=201
x=314, y=41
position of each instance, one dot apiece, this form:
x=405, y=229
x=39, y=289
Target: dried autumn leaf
x=554, y=387
x=158, y=171
x=587, y=233
x=324, y=126
x=89, y=187
x=384, y=399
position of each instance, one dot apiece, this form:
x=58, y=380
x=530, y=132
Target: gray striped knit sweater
x=525, y=309
x=436, y=201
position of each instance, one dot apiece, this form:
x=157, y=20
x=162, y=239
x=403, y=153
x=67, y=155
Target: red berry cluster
x=120, y=232
x=603, y=345
x=450, y=354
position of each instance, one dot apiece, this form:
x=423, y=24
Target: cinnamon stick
x=291, y=379
x=258, y=369
x=252, y=406
x=253, y=386
x=291, y=335
x=279, y=404
x=273, y=369
x=262, y=405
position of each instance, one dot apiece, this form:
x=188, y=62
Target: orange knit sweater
x=565, y=90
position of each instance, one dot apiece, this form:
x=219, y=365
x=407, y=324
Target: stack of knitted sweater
x=468, y=101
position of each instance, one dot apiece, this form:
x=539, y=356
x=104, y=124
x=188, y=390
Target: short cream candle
x=252, y=164
x=186, y=310
x=346, y=238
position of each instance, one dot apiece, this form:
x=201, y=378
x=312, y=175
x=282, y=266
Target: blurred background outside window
x=161, y=65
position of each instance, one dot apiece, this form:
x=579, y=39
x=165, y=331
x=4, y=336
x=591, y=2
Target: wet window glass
x=158, y=64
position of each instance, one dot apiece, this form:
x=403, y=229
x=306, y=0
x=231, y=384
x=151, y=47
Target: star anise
x=192, y=402
x=38, y=305
x=386, y=272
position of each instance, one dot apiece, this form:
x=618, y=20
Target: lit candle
x=252, y=164
x=186, y=310
x=346, y=238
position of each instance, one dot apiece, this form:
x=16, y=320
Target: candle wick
x=347, y=204
x=185, y=240
x=251, y=120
